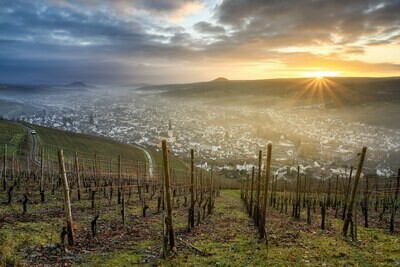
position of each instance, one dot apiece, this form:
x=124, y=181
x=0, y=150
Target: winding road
x=149, y=159
x=34, y=143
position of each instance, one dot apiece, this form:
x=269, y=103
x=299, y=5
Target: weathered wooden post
x=395, y=204
x=365, y=204
x=138, y=180
x=5, y=168
x=123, y=212
x=42, y=176
x=201, y=196
x=67, y=202
x=346, y=197
x=251, y=193
x=192, y=200
x=211, y=199
x=257, y=206
x=266, y=181
x=119, y=179
x=246, y=191
x=169, y=221
x=349, y=216
x=297, y=205
x=77, y=175
x=335, y=202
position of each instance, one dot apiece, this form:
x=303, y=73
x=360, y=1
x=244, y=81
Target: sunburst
x=322, y=90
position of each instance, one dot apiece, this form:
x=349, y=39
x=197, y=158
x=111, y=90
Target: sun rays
x=320, y=74
x=322, y=90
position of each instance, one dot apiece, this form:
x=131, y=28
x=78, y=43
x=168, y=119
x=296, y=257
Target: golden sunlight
x=320, y=74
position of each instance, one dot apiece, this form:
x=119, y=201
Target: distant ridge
x=220, y=79
x=341, y=91
x=78, y=84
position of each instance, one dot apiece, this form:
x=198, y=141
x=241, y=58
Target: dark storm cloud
x=32, y=20
x=309, y=21
x=39, y=39
x=161, y=5
x=206, y=27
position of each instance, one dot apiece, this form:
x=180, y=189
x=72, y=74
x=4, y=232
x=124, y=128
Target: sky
x=178, y=41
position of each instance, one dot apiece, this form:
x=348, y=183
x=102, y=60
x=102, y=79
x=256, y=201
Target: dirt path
x=227, y=238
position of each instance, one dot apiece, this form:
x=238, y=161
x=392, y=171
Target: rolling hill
x=347, y=91
x=19, y=141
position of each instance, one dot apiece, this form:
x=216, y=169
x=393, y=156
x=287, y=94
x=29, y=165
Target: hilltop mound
x=220, y=79
x=78, y=84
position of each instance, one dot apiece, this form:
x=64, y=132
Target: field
x=52, y=139
x=225, y=238
x=16, y=137
x=109, y=211
x=174, y=161
x=229, y=238
x=88, y=146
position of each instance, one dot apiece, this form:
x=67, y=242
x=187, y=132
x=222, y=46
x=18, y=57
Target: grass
x=174, y=162
x=16, y=138
x=126, y=257
x=230, y=239
x=15, y=237
x=19, y=142
x=227, y=238
x=105, y=148
x=86, y=145
x=115, y=258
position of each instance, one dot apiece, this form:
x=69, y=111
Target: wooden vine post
x=251, y=192
x=192, y=200
x=119, y=180
x=347, y=194
x=42, y=176
x=395, y=203
x=266, y=182
x=5, y=168
x=256, y=213
x=246, y=191
x=121, y=196
x=297, y=206
x=211, y=199
x=168, y=220
x=78, y=178
x=67, y=202
x=349, y=215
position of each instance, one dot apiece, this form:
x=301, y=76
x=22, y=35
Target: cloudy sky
x=168, y=41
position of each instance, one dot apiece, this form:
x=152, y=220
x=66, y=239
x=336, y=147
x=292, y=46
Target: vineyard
x=63, y=205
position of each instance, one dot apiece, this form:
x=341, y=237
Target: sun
x=320, y=74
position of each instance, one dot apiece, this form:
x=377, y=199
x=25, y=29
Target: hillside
x=87, y=146
x=347, y=91
x=12, y=90
x=17, y=139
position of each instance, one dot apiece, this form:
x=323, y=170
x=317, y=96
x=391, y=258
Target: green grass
x=115, y=258
x=228, y=238
x=105, y=149
x=126, y=257
x=174, y=162
x=16, y=138
x=19, y=142
x=15, y=237
x=232, y=240
x=86, y=145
